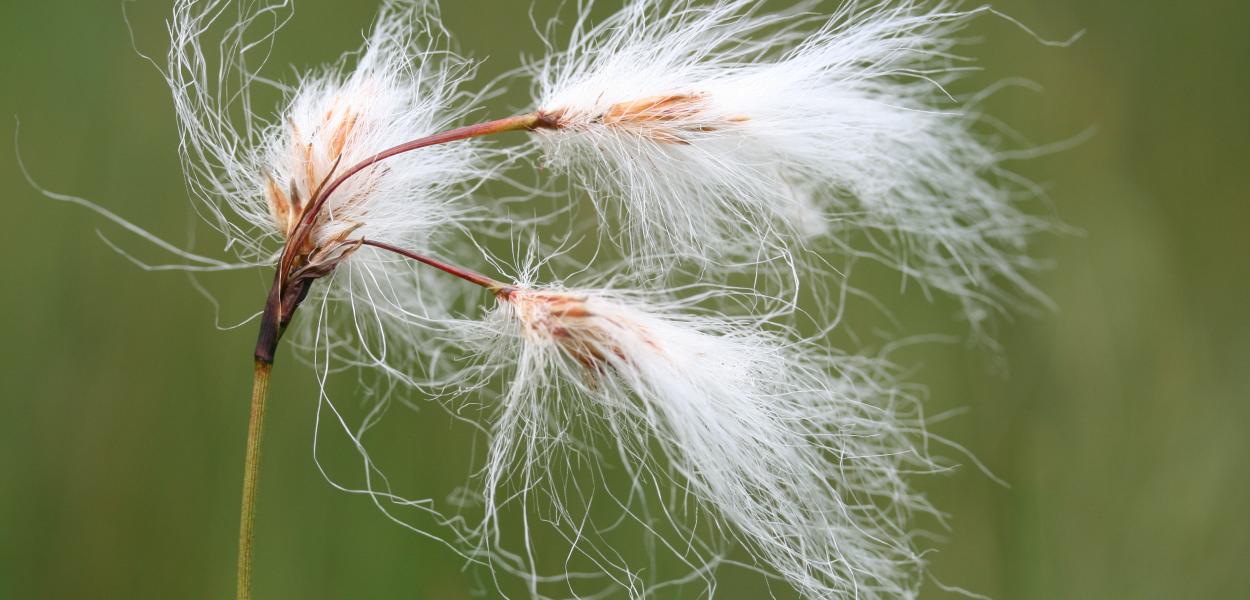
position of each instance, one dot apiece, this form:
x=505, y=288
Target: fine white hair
x=723, y=128
x=402, y=85
x=797, y=453
x=242, y=166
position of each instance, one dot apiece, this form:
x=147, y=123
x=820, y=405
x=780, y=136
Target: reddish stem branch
x=526, y=122
x=465, y=274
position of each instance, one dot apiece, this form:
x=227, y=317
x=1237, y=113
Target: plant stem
x=251, y=474
x=461, y=272
x=525, y=122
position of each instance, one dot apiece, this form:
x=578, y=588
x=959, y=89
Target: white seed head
x=256, y=176
x=723, y=128
x=799, y=454
x=257, y=180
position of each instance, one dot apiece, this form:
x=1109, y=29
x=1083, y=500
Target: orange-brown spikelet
x=571, y=322
x=664, y=118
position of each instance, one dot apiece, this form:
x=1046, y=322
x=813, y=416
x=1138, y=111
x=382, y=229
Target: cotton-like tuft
x=800, y=455
x=722, y=129
x=256, y=176
x=254, y=173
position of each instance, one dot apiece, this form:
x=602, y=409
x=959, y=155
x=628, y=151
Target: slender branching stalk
x=461, y=272
x=525, y=122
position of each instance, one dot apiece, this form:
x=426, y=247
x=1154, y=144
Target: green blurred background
x=1120, y=420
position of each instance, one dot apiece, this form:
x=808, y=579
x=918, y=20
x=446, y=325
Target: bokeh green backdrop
x=1120, y=420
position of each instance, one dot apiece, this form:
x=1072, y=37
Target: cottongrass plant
x=707, y=133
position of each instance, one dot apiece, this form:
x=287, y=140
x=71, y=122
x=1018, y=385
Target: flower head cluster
x=720, y=130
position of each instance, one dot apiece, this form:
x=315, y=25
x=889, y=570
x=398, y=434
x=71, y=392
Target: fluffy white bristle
x=404, y=84
x=723, y=128
x=800, y=454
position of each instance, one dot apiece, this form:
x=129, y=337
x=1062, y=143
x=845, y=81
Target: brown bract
x=319, y=157
x=309, y=253
x=588, y=336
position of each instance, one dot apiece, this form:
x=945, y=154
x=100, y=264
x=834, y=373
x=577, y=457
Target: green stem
x=251, y=474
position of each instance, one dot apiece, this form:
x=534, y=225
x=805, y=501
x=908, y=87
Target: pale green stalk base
x=251, y=474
